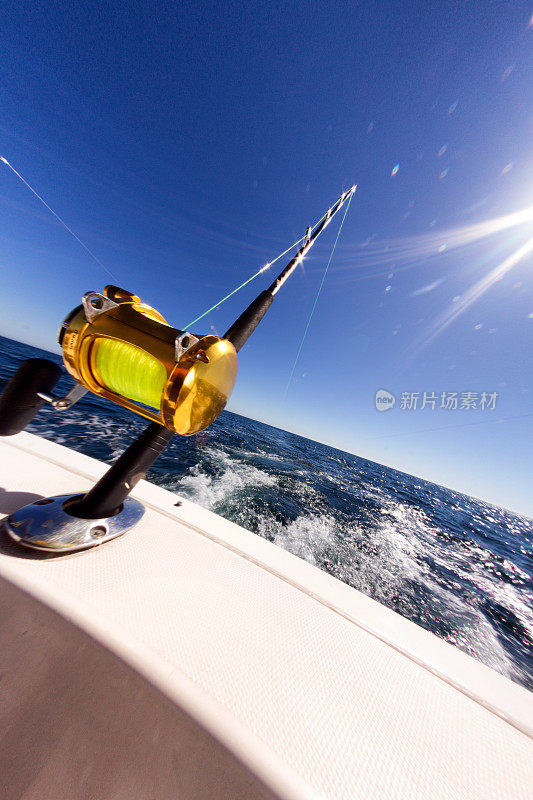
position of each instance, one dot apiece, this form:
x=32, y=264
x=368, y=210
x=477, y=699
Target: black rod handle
x=106, y=497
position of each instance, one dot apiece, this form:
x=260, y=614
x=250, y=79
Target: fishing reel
x=124, y=350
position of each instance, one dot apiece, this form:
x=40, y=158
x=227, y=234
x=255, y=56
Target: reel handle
x=20, y=402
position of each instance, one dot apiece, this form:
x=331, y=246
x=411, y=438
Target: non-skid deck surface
x=348, y=715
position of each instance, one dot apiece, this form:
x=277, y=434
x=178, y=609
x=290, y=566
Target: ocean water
x=457, y=566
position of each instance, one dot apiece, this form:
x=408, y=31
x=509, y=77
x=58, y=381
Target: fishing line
x=129, y=371
x=259, y=272
x=190, y=324
x=316, y=300
x=38, y=196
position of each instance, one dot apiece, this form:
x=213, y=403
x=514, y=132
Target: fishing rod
x=122, y=349
x=248, y=321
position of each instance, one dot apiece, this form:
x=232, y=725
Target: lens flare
x=426, y=289
x=408, y=252
x=473, y=294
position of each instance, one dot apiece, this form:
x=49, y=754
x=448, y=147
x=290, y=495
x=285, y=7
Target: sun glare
x=460, y=304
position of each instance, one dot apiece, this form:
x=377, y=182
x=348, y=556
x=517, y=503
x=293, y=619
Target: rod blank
x=245, y=325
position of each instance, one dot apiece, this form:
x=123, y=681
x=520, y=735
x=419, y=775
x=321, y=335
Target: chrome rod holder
x=46, y=525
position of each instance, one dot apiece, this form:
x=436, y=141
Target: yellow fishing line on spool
x=129, y=371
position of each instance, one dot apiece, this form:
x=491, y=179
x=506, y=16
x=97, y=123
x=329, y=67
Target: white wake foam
x=231, y=476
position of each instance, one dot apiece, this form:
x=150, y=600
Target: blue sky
x=187, y=144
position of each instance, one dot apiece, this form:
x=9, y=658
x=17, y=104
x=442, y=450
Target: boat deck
x=304, y=687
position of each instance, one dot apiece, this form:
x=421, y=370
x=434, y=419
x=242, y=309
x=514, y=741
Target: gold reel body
x=122, y=349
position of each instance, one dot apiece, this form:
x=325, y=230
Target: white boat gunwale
x=494, y=692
